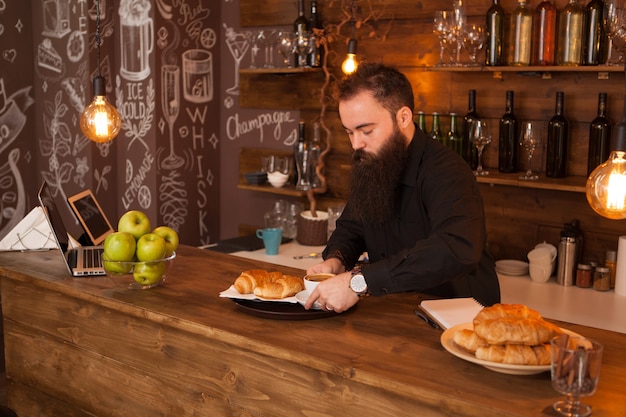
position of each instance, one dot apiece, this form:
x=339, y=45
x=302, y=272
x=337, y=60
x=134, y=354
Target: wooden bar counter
x=83, y=347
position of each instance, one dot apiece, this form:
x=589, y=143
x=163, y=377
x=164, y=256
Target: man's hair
x=387, y=85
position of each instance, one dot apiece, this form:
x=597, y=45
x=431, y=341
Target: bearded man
x=414, y=205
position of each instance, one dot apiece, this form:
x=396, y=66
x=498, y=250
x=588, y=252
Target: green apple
x=119, y=246
x=171, y=238
x=150, y=247
x=149, y=273
x=116, y=267
x=134, y=222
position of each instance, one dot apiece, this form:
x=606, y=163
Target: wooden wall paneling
x=280, y=91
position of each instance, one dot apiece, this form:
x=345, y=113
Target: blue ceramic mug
x=271, y=236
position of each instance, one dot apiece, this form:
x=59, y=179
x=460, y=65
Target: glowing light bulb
x=606, y=187
x=100, y=120
x=350, y=63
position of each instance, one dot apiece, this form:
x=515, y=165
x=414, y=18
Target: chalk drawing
x=235, y=128
x=136, y=39
x=136, y=110
x=238, y=46
x=56, y=18
x=173, y=197
x=198, y=75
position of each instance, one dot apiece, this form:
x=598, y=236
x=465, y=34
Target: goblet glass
x=480, y=136
x=303, y=47
x=531, y=139
x=473, y=41
x=613, y=20
x=575, y=370
x=442, y=27
x=287, y=47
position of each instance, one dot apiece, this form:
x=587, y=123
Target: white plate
x=302, y=296
x=447, y=341
x=512, y=267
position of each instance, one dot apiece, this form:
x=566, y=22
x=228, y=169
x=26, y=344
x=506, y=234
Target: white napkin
x=231, y=292
x=31, y=233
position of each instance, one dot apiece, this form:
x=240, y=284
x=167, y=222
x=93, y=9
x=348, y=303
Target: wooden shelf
x=572, y=183
x=544, y=71
x=286, y=190
x=277, y=70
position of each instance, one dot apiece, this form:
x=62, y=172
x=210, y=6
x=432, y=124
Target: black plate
x=280, y=311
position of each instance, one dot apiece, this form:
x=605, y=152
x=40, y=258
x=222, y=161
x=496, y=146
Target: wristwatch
x=357, y=283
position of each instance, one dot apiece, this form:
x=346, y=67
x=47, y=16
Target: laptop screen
x=90, y=216
x=54, y=217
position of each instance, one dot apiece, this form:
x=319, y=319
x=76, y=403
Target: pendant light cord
x=98, y=35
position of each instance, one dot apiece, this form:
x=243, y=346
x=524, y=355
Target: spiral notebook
x=449, y=312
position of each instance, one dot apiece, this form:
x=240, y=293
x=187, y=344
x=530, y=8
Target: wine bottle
x=317, y=51
x=315, y=151
x=455, y=138
x=435, y=132
x=301, y=28
x=520, y=37
x=570, y=33
x=593, y=35
x=544, y=33
x=470, y=154
x=495, y=35
x=558, y=138
x=301, y=155
x=599, y=136
x=508, y=145
x=421, y=121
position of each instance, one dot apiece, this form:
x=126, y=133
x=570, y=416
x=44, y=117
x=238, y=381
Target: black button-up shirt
x=435, y=243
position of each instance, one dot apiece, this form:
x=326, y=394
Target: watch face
x=358, y=284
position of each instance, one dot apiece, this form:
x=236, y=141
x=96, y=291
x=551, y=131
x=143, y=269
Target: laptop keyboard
x=91, y=258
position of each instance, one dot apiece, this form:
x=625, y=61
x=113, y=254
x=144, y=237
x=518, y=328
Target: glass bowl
x=139, y=275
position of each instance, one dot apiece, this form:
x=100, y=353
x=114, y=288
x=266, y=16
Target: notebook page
x=449, y=312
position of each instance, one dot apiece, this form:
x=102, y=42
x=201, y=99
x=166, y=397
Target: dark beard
x=375, y=180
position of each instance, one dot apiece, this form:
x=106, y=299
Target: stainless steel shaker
x=566, y=271
x=570, y=252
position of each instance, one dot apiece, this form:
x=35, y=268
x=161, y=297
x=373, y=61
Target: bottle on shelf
x=558, y=138
x=494, y=51
x=544, y=33
x=599, y=136
x=435, y=132
x=455, y=138
x=301, y=156
x=594, y=39
x=520, y=36
x=315, y=150
x=421, y=121
x=317, y=51
x=470, y=154
x=508, y=144
x=300, y=28
x=570, y=33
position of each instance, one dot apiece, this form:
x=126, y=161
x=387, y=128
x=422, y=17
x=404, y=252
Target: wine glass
x=575, y=370
x=480, y=136
x=473, y=41
x=442, y=27
x=303, y=46
x=531, y=139
x=287, y=46
x=613, y=20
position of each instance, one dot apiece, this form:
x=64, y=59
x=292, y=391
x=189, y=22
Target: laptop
x=82, y=261
x=91, y=217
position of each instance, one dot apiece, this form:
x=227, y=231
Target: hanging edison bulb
x=100, y=121
x=350, y=63
x=606, y=185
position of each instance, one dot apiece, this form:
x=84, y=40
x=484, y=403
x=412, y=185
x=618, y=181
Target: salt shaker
x=566, y=271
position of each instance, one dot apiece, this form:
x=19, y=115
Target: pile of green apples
x=139, y=249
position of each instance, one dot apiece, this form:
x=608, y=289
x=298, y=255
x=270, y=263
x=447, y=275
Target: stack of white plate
x=511, y=267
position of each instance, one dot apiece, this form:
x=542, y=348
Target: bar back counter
x=84, y=347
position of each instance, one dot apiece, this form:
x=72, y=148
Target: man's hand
x=334, y=293
x=329, y=266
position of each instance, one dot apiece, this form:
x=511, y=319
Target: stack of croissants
x=510, y=334
x=268, y=284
